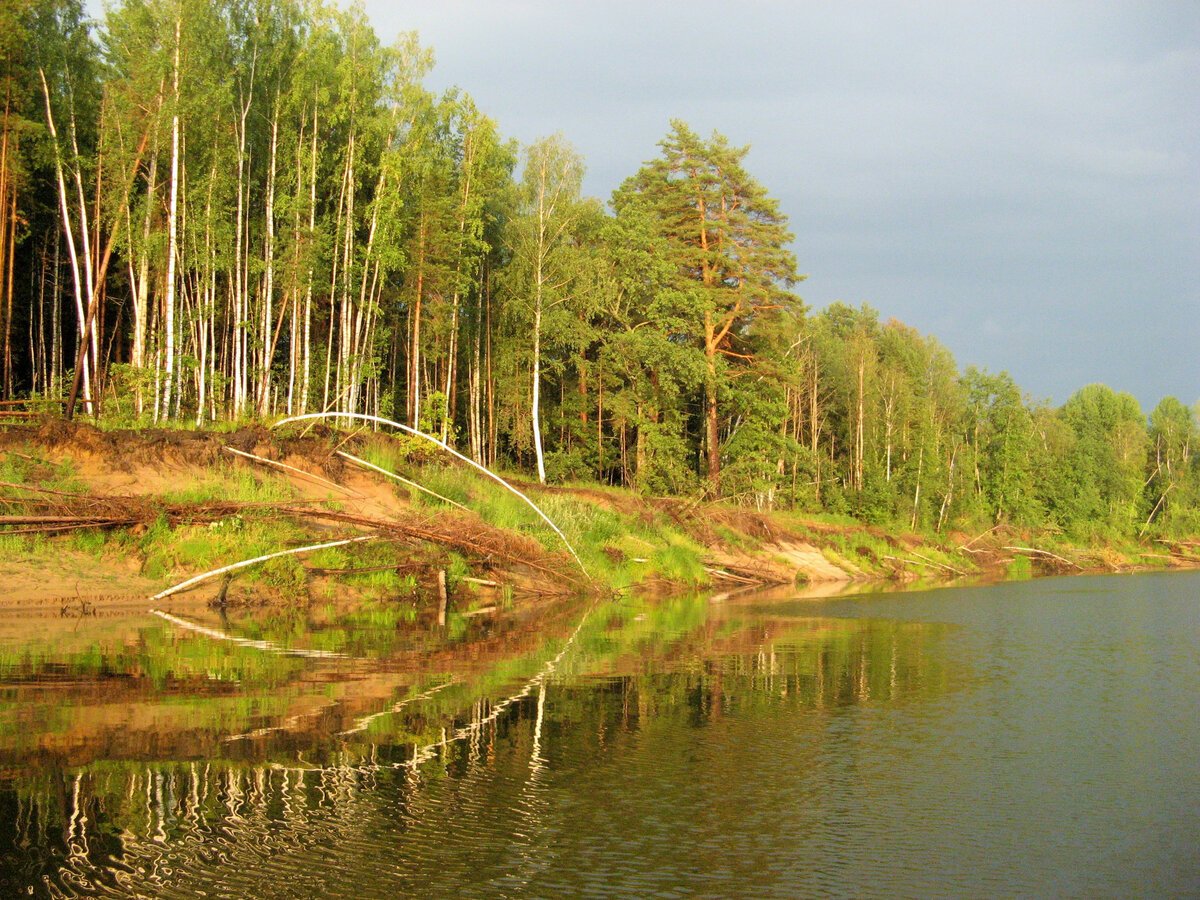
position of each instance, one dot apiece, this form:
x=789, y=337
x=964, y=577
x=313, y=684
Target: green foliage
x=235, y=155
x=876, y=502
x=1105, y=462
x=1172, y=490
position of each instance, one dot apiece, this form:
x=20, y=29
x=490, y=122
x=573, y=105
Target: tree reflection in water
x=356, y=773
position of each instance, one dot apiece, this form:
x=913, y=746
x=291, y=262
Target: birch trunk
x=269, y=337
x=414, y=354
x=172, y=235
x=68, y=230
x=141, y=299
x=306, y=367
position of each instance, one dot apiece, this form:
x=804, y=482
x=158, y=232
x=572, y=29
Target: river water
x=1038, y=738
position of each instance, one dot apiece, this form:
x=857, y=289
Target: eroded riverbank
x=95, y=515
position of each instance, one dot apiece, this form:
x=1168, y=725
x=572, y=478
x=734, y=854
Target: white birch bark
x=68, y=228
x=172, y=235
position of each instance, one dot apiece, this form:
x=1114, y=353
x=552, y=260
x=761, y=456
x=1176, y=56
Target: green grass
x=235, y=484
x=91, y=541
x=31, y=469
x=16, y=545
x=606, y=541
x=1019, y=569
x=679, y=562
x=170, y=553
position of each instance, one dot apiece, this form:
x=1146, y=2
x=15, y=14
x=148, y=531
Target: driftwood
x=282, y=465
x=921, y=560
x=979, y=537
x=736, y=572
x=45, y=510
x=401, y=479
x=184, y=585
x=1150, y=517
x=363, y=417
x=77, y=511
x=70, y=521
x=935, y=563
x=1036, y=552
x=729, y=576
x=50, y=511
x=479, y=539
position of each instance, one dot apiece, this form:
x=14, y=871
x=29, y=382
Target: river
x=1034, y=738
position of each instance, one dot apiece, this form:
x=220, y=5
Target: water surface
x=1033, y=738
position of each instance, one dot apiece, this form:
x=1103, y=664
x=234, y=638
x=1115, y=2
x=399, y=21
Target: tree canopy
x=248, y=208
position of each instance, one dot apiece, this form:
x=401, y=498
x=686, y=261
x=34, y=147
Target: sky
x=1020, y=179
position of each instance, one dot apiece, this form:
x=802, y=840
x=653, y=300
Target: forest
x=231, y=210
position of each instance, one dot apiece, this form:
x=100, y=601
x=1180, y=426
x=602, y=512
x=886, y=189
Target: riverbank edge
x=684, y=543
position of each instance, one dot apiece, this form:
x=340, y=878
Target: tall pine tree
x=727, y=242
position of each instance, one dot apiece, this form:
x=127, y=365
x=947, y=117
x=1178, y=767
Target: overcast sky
x=1021, y=180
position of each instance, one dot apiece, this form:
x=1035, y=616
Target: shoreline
x=115, y=493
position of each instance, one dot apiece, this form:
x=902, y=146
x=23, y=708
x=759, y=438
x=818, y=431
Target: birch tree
x=548, y=208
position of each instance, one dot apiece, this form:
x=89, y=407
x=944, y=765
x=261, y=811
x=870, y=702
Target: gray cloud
x=1020, y=180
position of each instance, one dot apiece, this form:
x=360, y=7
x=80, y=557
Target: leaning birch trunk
x=949, y=498
x=184, y=585
x=399, y=478
x=282, y=465
x=65, y=211
x=917, y=489
x=369, y=418
x=90, y=335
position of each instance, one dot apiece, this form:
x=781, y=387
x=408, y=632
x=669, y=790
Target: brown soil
x=68, y=579
x=808, y=559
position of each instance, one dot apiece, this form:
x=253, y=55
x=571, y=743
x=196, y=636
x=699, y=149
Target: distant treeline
x=218, y=210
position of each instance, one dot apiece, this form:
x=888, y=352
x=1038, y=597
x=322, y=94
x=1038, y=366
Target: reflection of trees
x=157, y=693
x=488, y=740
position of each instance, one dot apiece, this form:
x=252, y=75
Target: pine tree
x=727, y=243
